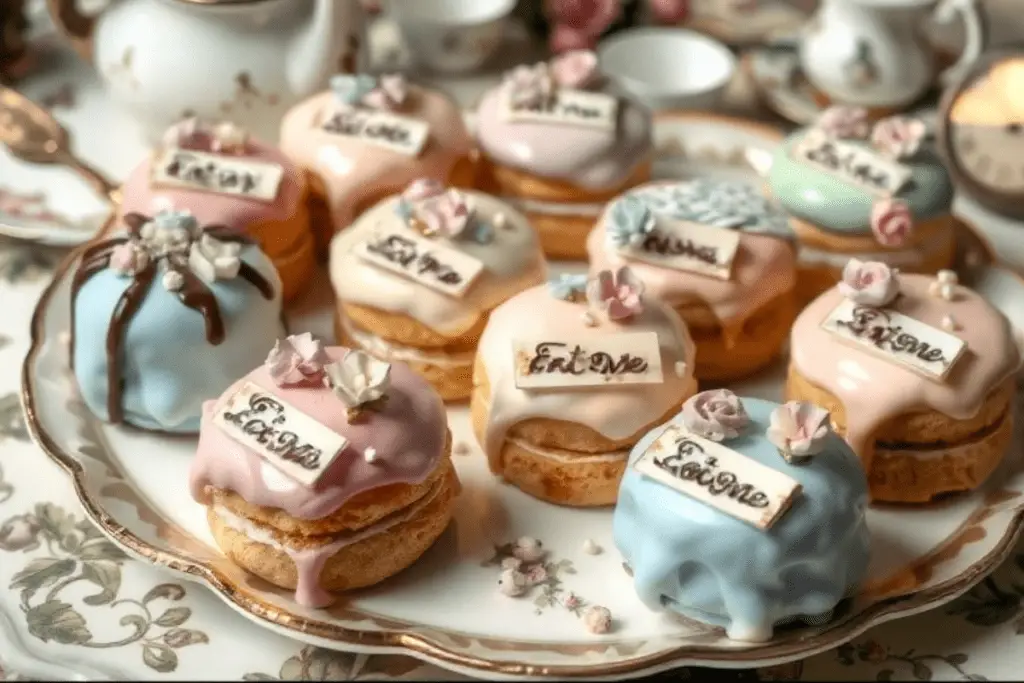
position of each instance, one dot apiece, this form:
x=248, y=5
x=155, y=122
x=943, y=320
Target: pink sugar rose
x=717, y=415
x=869, y=283
x=574, y=69
x=891, y=222
x=798, y=428
x=844, y=123
x=899, y=137
x=422, y=188
x=389, y=95
x=298, y=359
x=619, y=295
x=669, y=11
x=577, y=24
x=529, y=85
x=447, y=214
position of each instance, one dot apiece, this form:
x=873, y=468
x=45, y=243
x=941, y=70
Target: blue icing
x=169, y=368
x=822, y=199
x=719, y=570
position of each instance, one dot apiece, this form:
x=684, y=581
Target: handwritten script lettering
x=291, y=441
x=431, y=264
x=606, y=360
x=217, y=173
x=568, y=107
x=719, y=476
x=688, y=246
x=396, y=133
x=896, y=337
x=853, y=164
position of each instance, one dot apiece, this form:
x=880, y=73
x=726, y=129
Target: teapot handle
x=975, y=34
x=78, y=27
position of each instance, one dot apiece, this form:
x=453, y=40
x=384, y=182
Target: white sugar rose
x=358, y=378
x=799, y=429
x=869, y=283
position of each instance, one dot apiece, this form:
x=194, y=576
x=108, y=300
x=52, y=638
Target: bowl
x=668, y=68
x=452, y=36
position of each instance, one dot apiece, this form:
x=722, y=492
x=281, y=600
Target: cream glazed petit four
x=875, y=192
x=744, y=514
x=325, y=470
x=222, y=176
x=168, y=316
x=720, y=254
x=559, y=140
x=367, y=138
x=569, y=376
x=418, y=275
x=918, y=373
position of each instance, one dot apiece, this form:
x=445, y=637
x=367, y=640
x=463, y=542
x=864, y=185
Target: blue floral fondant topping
x=175, y=219
x=480, y=232
x=631, y=221
x=403, y=209
x=568, y=287
x=350, y=89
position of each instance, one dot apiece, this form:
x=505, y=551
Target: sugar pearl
x=172, y=281
x=949, y=324
x=461, y=448
x=597, y=619
x=588, y=319
x=947, y=291
x=591, y=548
x=528, y=549
x=947, y=277
x=370, y=454
x=680, y=369
x=500, y=221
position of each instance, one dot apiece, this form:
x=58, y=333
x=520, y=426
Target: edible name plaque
x=431, y=264
x=687, y=246
x=568, y=107
x=601, y=360
x=400, y=134
x=896, y=338
x=853, y=164
x=217, y=173
x=288, y=439
x=718, y=476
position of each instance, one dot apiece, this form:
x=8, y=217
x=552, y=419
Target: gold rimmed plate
x=446, y=609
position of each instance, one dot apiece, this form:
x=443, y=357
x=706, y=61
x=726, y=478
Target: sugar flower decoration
x=891, y=222
x=529, y=85
x=844, y=123
x=569, y=287
x=172, y=280
x=360, y=381
x=447, y=215
x=422, y=188
x=228, y=138
x=898, y=137
x=944, y=285
x=169, y=232
x=350, y=89
x=869, y=283
x=798, y=429
x=388, y=94
x=212, y=259
x=297, y=359
x=128, y=259
x=181, y=132
x=619, y=295
x=574, y=69
x=629, y=223
x=717, y=415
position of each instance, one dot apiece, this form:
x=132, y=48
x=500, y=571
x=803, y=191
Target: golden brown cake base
x=363, y=563
x=561, y=236
x=557, y=461
x=452, y=381
x=918, y=456
x=725, y=356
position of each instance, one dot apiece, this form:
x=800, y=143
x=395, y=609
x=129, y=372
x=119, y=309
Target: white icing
x=393, y=352
x=512, y=261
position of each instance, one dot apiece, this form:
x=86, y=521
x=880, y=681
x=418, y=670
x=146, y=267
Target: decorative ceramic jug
x=875, y=53
x=243, y=60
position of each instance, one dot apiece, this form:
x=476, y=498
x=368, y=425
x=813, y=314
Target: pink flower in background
x=671, y=11
x=619, y=295
x=717, y=414
x=891, y=222
x=899, y=137
x=577, y=24
x=447, y=214
x=844, y=122
x=870, y=283
x=574, y=69
x=798, y=428
x=298, y=359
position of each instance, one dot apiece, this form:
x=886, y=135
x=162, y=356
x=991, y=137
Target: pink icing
x=353, y=171
x=764, y=267
x=141, y=196
x=875, y=391
x=409, y=435
x=590, y=158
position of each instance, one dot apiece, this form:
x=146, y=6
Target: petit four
x=168, y=316
x=418, y=274
x=918, y=374
x=744, y=514
x=348, y=484
x=875, y=192
x=224, y=177
x=559, y=140
x=369, y=137
x=718, y=253
x=569, y=376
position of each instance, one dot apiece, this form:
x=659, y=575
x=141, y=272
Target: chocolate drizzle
x=194, y=293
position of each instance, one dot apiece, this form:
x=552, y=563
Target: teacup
x=668, y=68
x=452, y=36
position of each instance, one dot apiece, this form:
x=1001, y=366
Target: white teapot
x=875, y=53
x=243, y=60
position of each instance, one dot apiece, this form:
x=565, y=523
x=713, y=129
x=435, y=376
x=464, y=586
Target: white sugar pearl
x=947, y=277
x=591, y=548
x=680, y=369
x=172, y=281
x=370, y=454
x=947, y=291
x=500, y=221
x=949, y=324
x=588, y=319
x=147, y=231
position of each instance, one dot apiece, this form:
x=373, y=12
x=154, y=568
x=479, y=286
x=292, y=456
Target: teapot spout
x=311, y=59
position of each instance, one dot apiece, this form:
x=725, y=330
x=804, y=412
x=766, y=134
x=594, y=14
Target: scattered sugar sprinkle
x=597, y=619
x=461, y=448
x=511, y=563
x=950, y=324
x=947, y=277
x=528, y=549
x=370, y=454
x=172, y=281
x=512, y=583
x=680, y=369
x=500, y=221
x=591, y=548
x=588, y=319
x=64, y=339
x=972, y=258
